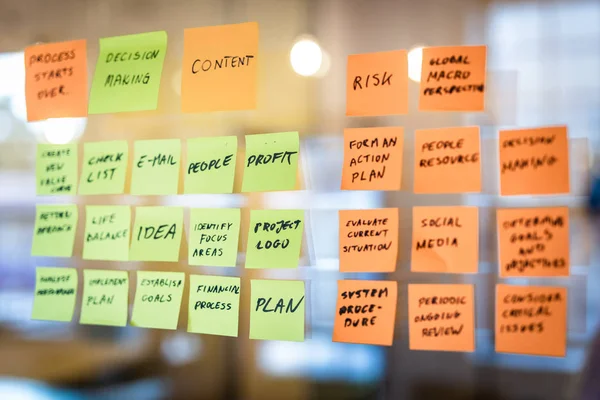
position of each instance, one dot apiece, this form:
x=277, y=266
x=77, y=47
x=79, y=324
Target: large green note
x=56, y=169
x=157, y=299
x=214, y=235
x=107, y=233
x=210, y=165
x=54, y=231
x=104, y=167
x=156, y=234
x=105, y=297
x=155, y=169
x=214, y=305
x=55, y=294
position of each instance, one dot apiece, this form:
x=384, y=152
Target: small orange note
x=453, y=78
x=533, y=242
x=56, y=80
x=441, y=317
x=531, y=320
x=219, y=68
x=372, y=158
x=368, y=240
x=445, y=239
x=365, y=312
x=447, y=160
x=534, y=161
x=377, y=84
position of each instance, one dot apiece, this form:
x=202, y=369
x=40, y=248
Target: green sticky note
x=56, y=169
x=105, y=297
x=214, y=305
x=274, y=239
x=107, y=233
x=155, y=169
x=128, y=73
x=104, y=167
x=157, y=299
x=54, y=231
x=156, y=234
x=214, y=234
x=55, y=294
x=271, y=162
x=277, y=310
x=210, y=165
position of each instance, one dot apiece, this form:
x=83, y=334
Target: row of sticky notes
x=271, y=164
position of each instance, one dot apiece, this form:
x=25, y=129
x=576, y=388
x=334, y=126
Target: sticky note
x=128, y=72
x=56, y=80
x=533, y=242
x=447, y=160
x=274, y=239
x=377, y=84
x=156, y=234
x=155, y=169
x=219, y=68
x=107, y=233
x=277, y=310
x=214, y=236
x=214, y=305
x=105, y=297
x=56, y=169
x=271, y=162
x=441, y=317
x=372, y=158
x=368, y=240
x=445, y=240
x=54, y=230
x=157, y=299
x=531, y=320
x=104, y=167
x=365, y=312
x=55, y=294
x=453, y=78
x=534, y=161
x=210, y=165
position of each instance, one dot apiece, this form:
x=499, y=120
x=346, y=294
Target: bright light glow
x=306, y=57
x=415, y=59
x=58, y=130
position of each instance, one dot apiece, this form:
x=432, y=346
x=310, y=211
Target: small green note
x=128, y=73
x=104, y=167
x=214, y=235
x=107, y=233
x=157, y=299
x=156, y=234
x=155, y=169
x=55, y=294
x=210, y=165
x=277, y=310
x=214, y=305
x=56, y=169
x=271, y=162
x=275, y=238
x=54, y=231
x=105, y=297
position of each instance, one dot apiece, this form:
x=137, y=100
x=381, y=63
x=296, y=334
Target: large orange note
x=534, y=161
x=372, y=158
x=533, y=242
x=441, y=317
x=453, y=78
x=56, y=80
x=447, y=160
x=377, y=84
x=368, y=240
x=445, y=239
x=531, y=320
x=219, y=68
x=365, y=312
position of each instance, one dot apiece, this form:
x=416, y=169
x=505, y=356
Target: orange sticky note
x=368, y=240
x=447, y=160
x=533, y=242
x=365, y=312
x=445, y=239
x=219, y=68
x=531, y=320
x=534, y=161
x=453, y=78
x=441, y=317
x=377, y=84
x=56, y=80
x=372, y=158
